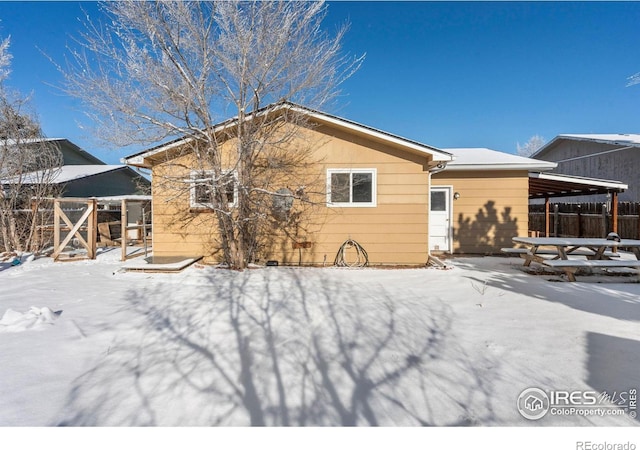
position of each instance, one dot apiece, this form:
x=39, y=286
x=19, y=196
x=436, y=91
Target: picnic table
x=555, y=252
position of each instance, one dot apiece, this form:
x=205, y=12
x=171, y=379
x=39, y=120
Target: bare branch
x=28, y=167
x=152, y=71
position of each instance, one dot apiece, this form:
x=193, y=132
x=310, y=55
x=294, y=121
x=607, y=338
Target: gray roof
x=66, y=174
x=625, y=140
x=487, y=159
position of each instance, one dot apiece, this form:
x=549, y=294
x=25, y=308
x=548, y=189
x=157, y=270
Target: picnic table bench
x=537, y=250
x=554, y=252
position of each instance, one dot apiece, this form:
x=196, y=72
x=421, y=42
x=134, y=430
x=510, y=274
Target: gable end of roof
x=138, y=159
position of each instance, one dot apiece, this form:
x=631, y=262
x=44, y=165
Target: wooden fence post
x=556, y=219
x=579, y=221
x=123, y=228
x=92, y=229
x=56, y=226
x=604, y=220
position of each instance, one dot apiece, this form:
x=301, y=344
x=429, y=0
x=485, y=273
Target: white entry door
x=440, y=219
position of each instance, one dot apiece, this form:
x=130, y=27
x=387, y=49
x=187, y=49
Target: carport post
x=614, y=212
x=546, y=217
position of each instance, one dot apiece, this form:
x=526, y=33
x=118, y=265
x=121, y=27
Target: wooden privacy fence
x=586, y=220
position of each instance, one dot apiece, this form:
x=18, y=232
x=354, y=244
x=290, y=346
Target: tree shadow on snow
x=616, y=300
x=284, y=347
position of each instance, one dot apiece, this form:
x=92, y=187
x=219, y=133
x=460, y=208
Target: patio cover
x=547, y=185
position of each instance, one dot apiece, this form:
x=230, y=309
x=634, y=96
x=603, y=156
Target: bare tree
x=153, y=71
x=534, y=144
x=28, y=165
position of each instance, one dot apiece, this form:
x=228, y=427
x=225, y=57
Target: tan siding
x=394, y=232
x=492, y=208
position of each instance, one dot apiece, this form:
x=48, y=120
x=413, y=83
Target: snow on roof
x=487, y=159
x=66, y=174
x=71, y=173
x=626, y=139
x=29, y=141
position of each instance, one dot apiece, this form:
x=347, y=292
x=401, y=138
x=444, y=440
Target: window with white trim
x=202, y=183
x=351, y=187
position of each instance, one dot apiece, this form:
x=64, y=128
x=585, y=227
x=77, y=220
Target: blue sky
x=448, y=74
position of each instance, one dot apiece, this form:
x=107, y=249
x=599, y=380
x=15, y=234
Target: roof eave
x=570, y=185
x=481, y=167
x=415, y=147
x=140, y=159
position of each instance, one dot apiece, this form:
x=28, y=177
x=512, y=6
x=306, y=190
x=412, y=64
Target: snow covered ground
x=84, y=343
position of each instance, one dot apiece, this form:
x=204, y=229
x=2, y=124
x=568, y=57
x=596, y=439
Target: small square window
x=351, y=188
x=202, y=185
x=438, y=201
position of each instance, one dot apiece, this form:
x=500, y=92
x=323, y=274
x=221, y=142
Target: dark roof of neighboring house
x=65, y=146
x=67, y=174
x=78, y=164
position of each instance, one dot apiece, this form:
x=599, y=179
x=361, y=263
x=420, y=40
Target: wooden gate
x=86, y=223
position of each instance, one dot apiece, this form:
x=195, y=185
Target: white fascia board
x=533, y=167
x=138, y=159
x=579, y=180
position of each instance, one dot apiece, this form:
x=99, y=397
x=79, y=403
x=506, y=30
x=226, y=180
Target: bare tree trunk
x=159, y=70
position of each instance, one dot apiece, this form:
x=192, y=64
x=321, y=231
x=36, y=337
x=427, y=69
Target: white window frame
x=351, y=204
x=195, y=175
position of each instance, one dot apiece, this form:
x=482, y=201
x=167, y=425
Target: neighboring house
x=408, y=187
x=609, y=156
x=84, y=175
x=72, y=155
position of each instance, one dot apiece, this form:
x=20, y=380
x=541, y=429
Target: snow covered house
x=610, y=156
x=412, y=199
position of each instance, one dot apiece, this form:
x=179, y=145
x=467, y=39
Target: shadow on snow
x=281, y=347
